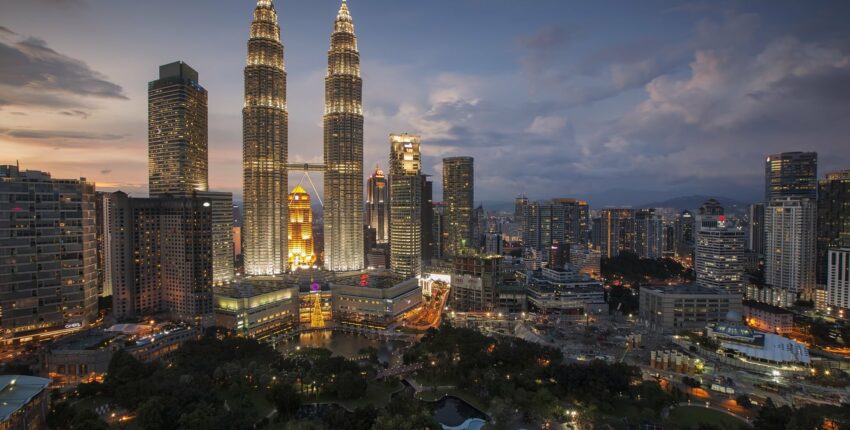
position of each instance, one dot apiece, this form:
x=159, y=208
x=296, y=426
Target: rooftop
x=686, y=289
x=17, y=390
x=85, y=340
x=255, y=286
x=379, y=279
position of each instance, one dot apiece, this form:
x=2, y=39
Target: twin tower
x=265, y=150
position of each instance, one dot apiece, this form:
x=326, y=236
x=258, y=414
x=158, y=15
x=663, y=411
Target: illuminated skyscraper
x=161, y=252
x=378, y=205
x=264, y=146
x=405, y=204
x=301, y=252
x=648, y=234
x=791, y=174
x=177, y=131
x=458, y=195
x=755, y=229
x=790, y=251
x=833, y=219
x=718, y=250
x=178, y=156
x=616, y=231
x=343, y=123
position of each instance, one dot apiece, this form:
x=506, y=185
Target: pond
x=347, y=345
x=452, y=411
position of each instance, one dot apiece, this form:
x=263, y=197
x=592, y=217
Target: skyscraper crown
x=344, y=22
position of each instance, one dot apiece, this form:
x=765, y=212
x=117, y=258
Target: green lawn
x=689, y=417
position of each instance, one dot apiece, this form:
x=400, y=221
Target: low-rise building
x=258, y=307
x=736, y=338
x=23, y=402
x=563, y=291
x=769, y=318
x=85, y=356
x=374, y=299
x=686, y=307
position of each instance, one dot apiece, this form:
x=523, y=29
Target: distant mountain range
x=680, y=203
x=694, y=202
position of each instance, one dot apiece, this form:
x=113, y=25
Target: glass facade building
x=406, y=204
x=458, y=195
x=177, y=131
x=791, y=174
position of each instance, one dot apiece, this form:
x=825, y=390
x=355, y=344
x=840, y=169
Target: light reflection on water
x=347, y=345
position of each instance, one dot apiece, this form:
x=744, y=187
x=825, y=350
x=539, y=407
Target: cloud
x=32, y=73
x=59, y=134
x=735, y=106
x=75, y=113
x=547, y=125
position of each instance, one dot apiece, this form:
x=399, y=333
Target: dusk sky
x=619, y=102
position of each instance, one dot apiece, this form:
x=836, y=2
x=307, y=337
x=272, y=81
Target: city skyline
x=96, y=113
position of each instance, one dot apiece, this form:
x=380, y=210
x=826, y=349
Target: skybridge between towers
x=307, y=168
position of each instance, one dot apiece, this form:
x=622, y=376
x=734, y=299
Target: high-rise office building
x=479, y=228
x=405, y=204
x=791, y=174
x=48, y=262
x=458, y=195
x=221, y=205
x=520, y=203
x=561, y=220
x=494, y=244
x=649, y=234
x=378, y=205
x=427, y=207
x=343, y=123
x=790, y=230
x=669, y=246
x=178, y=156
x=616, y=231
x=162, y=257
x=177, y=131
x=833, y=218
x=576, y=219
x=102, y=215
x=755, y=229
x=684, y=229
x=719, y=251
x=711, y=213
x=265, y=123
x=439, y=231
x=300, y=236
x=838, y=281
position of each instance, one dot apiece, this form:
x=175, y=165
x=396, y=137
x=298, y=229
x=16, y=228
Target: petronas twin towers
x=265, y=148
